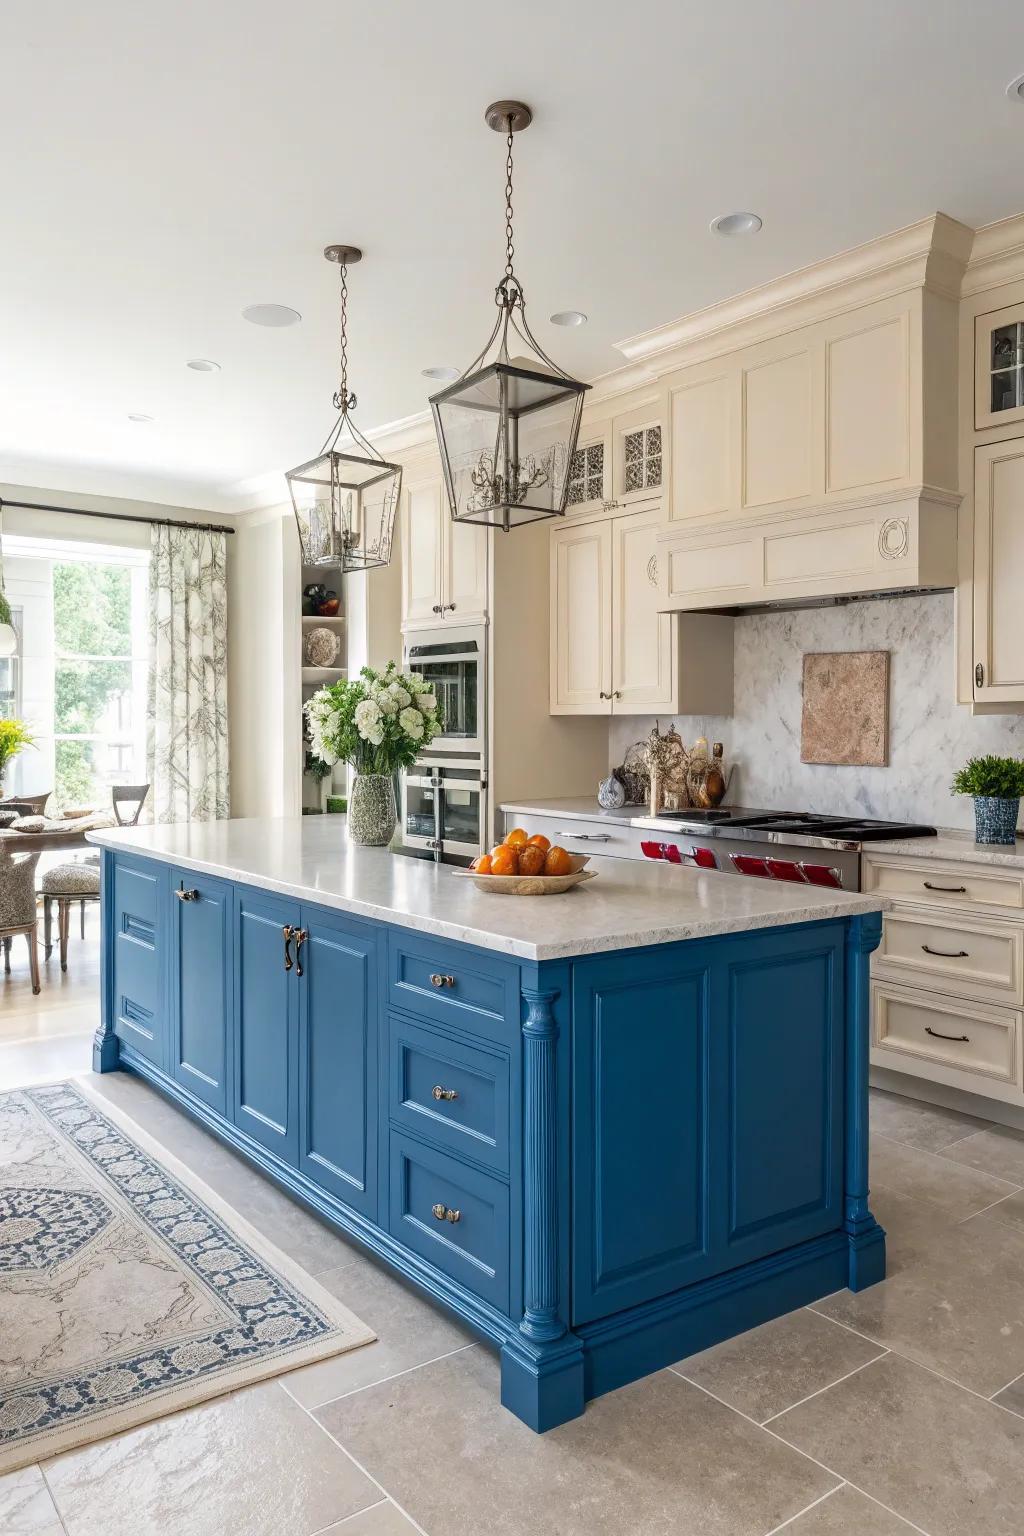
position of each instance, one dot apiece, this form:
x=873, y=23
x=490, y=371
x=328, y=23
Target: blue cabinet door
x=338, y=1041
x=265, y=1069
x=201, y=941
x=138, y=921
x=641, y=1127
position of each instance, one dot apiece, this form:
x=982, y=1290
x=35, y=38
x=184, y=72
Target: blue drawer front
x=140, y=1014
x=454, y=985
x=427, y=1067
x=474, y=1250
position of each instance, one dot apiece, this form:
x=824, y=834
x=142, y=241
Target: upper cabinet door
x=639, y=455
x=999, y=367
x=581, y=622
x=422, y=554
x=643, y=640
x=590, y=472
x=464, y=568
x=999, y=573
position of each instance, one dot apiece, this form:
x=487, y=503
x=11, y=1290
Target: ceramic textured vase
x=995, y=819
x=372, y=817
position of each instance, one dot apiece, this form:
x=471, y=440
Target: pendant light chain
x=342, y=400
x=509, y=248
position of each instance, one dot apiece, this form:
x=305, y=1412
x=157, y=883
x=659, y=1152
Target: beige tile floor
x=895, y=1411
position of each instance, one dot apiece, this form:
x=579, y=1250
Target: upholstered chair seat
x=71, y=880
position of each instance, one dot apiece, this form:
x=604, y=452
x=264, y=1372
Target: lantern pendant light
x=8, y=633
x=345, y=500
x=507, y=428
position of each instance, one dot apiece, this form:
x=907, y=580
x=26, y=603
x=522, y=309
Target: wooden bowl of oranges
x=522, y=865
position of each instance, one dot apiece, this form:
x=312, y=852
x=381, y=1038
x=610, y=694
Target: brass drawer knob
x=445, y=1213
x=184, y=895
x=444, y=1093
x=437, y=980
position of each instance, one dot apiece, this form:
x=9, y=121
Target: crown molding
x=997, y=256
x=932, y=253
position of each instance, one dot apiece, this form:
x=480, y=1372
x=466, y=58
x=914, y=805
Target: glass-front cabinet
x=999, y=367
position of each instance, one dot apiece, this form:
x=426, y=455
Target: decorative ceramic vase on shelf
x=995, y=819
x=372, y=817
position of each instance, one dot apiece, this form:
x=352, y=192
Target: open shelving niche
x=314, y=796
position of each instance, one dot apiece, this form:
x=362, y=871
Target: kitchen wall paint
x=929, y=734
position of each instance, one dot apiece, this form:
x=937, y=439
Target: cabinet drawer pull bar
x=946, y=954
x=187, y=895
x=437, y=980
x=445, y=1213
x=301, y=935
x=938, y=1035
x=288, y=931
x=444, y=1093
x=587, y=837
x=949, y=890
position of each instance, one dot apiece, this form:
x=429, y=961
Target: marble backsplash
x=929, y=734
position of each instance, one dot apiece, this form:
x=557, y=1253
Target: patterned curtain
x=187, y=705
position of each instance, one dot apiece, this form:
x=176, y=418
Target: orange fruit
x=531, y=860
x=538, y=840
x=481, y=865
x=516, y=837
x=505, y=861
x=557, y=862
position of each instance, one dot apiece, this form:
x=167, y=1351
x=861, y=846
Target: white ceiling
x=163, y=165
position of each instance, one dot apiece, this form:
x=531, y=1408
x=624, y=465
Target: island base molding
x=601, y=1164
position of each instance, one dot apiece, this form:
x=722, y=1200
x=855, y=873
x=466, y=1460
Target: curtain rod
x=115, y=517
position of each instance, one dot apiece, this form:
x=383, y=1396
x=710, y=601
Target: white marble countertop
x=951, y=843
x=629, y=905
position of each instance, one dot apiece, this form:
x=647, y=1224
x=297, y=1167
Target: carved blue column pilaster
x=542, y=1361
x=541, y=1321
x=105, y=1045
x=866, y=1237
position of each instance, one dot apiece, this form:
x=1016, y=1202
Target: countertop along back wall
x=929, y=734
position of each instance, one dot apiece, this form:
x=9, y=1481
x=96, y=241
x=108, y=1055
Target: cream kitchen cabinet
x=444, y=564
x=590, y=470
x=621, y=460
x=612, y=652
x=999, y=367
x=999, y=573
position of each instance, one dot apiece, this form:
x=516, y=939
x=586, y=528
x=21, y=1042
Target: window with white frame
x=10, y=675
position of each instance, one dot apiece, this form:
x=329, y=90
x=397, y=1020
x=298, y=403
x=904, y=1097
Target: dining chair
x=128, y=794
x=18, y=912
x=64, y=884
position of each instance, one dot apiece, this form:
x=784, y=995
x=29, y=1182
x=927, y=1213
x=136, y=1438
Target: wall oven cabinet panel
x=999, y=573
x=444, y=564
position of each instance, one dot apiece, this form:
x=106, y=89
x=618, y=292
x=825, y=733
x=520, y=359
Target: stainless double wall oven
x=444, y=794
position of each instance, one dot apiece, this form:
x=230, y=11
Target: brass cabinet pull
x=437, y=980
x=289, y=933
x=949, y=890
x=301, y=935
x=445, y=1213
x=946, y=954
x=938, y=1035
x=183, y=895
x=444, y=1093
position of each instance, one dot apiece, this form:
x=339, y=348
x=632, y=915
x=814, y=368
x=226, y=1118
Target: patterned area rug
x=128, y=1289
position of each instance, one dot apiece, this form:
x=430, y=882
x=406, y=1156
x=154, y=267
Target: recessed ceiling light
x=1015, y=89
x=568, y=317
x=138, y=416
x=440, y=373
x=202, y=365
x=736, y=224
x=271, y=314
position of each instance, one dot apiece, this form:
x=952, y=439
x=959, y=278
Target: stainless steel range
x=770, y=845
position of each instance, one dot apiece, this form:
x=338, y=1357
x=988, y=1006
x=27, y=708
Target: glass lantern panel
x=345, y=508
x=508, y=467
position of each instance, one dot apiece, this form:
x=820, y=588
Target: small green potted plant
x=14, y=738
x=996, y=783
x=377, y=723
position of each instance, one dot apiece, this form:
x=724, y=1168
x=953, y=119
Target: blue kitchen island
x=606, y=1129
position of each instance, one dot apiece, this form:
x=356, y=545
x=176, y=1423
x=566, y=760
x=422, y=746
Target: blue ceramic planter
x=995, y=820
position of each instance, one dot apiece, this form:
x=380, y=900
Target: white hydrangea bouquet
x=376, y=723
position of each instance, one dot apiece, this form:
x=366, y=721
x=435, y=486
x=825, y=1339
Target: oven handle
x=417, y=663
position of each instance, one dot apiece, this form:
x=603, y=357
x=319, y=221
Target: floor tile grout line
x=322, y=1529
x=801, y=1452
x=863, y=1366
x=364, y=1470
x=865, y=1336
x=946, y=1160
x=986, y=1208
x=53, y=1497
x=806, y=1510
x=367, y=1385
x=1006, y=1388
